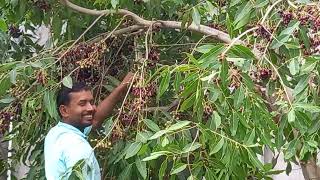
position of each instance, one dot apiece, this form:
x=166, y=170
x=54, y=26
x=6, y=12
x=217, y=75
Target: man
x=66, y=144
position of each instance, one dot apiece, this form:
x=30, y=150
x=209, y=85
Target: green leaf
x=164, y=84
x=291, y=116
x=244, y=15
x=229, y=25
x=253, y=158
x=13, y=76
x=114, y=3
x=251, y=138
x=294, y=66
x=235, y=124
x=50, y=104
x=133, y=149
x=7, y=100
x=234, y=2
x=142, y=167
x=291, y=149
x=314, y=127
x=56, y=26
x=163, y=168
x=238, y=97
x=308, y=66
x=158, y=134
x=285, y=35
x=205, y=48
x=3, y=25
x=178, y=168
x=154, y=155
x=165, y=142
x=151, y=125
x=243, y=21
x=178, y=125
x=304, y=37
x=302, y=84
x=126, y=173
x=196, y=16
x=243, y=52
x=215, y=120
x=67, y=82
x=307, y=107
x=188, y=102
x=217, y=147
x=236, y=61
x=211, y=9
x=191, y=147
x=143, y=137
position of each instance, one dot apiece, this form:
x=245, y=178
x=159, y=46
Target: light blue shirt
x=64, y=146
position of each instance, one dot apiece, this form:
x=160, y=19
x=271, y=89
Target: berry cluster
x=17, y=89
x=264, y=32
x=138, y=2
x=148, y=91
x=85, y=55
x=235, y=79
x=43, y=5
x=5, y=118
x=261, y=74
x=41, y=77
x=127, y=119
x=286, y=16
x=207, y=112
x=14, y=31
x=307, y=15
x=154, y=57
x=141, y=96
x=265, y=73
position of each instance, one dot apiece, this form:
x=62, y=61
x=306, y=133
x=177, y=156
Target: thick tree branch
x=214, y=33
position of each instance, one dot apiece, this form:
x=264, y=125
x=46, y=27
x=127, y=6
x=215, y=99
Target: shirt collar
x=71, y=128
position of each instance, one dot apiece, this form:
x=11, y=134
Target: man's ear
x=64, y=111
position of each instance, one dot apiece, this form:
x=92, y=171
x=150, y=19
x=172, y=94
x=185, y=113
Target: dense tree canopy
x=216, y=83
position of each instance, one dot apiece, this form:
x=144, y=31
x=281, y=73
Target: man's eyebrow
x=85, y=100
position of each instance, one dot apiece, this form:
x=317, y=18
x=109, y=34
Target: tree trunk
x=310, y=169
x=3, y=156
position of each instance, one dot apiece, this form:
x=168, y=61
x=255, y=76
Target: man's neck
x=72, y=124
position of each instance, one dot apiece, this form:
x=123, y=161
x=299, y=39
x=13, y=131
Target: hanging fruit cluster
x=41, y=77
x=5, y=119
x=141, y=96
x=263, y=32
x=42, y=4
x=306, y=15
x=14, y=31
x=153, y=57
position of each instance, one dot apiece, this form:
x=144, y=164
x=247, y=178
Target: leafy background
x=201, y=105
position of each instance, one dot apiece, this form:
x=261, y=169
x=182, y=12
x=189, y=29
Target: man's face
x=80, y=111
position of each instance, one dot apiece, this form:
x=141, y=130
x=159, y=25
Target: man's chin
x=87, y=123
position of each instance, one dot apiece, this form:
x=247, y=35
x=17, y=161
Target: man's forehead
x=81, y=95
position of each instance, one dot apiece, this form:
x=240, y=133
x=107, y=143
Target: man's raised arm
x=105, y=108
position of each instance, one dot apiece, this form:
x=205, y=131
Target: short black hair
x=63, y=97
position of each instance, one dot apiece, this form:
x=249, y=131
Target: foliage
x=197, y=108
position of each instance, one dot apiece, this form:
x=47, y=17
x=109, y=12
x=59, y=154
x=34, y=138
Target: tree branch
x=206, y=30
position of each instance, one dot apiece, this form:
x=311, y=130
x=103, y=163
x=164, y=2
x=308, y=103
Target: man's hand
x=127, y=80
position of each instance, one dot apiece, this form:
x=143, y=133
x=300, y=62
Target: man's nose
x=91, y=107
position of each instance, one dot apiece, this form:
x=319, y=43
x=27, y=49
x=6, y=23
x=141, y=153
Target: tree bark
x=310, y=169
